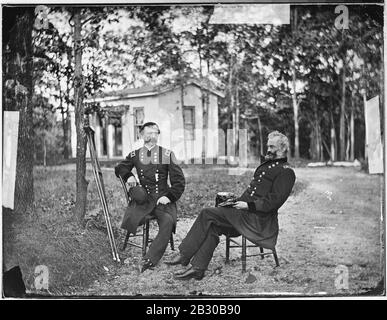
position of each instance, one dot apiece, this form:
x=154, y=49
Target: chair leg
x=261, y=250
x=147, y=232
x=171, y=242
x=275, y=258
x=145, y=237
x=243, y=254
x=227, y=249
x=125, y=241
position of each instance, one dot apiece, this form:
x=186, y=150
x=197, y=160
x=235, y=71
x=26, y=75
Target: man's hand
x=163, y=200
x=131, y=182
x=240, y=205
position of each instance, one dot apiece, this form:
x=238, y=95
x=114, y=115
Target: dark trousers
x=203, y=237
x=160, y=242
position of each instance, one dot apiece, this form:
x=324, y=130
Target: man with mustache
x=253, y=215
x=153, y=164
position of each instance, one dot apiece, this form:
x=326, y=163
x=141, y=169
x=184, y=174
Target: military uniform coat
x=154, y=167
x=270, y=187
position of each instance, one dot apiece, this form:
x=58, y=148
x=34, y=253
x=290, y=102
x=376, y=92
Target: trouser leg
x=160, y=242
x=203, y=256
x=203, y=237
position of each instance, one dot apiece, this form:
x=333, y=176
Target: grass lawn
x=331, y=219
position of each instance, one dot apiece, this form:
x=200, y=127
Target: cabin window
x=138, y=121
x=189, y=122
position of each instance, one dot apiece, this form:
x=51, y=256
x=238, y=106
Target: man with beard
x=254, y=214
x=153, y=164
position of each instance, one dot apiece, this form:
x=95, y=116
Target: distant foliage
x=255, y=66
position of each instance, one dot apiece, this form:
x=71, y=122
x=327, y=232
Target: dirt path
x=331, y=225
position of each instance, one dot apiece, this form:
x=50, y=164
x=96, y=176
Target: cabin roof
x=149, y=90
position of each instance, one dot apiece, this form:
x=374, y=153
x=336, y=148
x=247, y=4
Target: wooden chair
x=244, y=245
x=145, y=229
x=145, y=237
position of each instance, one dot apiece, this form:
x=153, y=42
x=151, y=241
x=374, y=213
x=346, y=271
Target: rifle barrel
x=101, y=191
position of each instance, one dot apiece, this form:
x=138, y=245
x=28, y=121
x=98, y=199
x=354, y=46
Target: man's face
x=150, y=135
x=273, y=148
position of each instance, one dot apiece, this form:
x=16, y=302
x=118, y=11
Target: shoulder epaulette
x=286, y=166
x=167, y=152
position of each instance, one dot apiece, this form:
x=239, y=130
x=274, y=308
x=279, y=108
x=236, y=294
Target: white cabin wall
x=165, y=110
x=171, y=122
x=193, y=98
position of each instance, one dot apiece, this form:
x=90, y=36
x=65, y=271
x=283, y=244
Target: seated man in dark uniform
x=253, y=215
x=153, y=164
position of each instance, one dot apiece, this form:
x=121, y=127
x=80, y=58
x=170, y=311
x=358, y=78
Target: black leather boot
x=179, y=259
x=190, y=273
x=146, y=264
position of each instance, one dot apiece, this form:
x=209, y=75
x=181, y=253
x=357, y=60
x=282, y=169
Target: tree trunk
x=295, y=117
x=381, y=85
x=342, y=115
x=65, y=135
x=294, y=94
x=314, y=141
x=260, y=149
x=61, y=108
x=62, y=111
x=318, y=142
x=44, y=151
x=203, y=93
x=348, y=140
x=81, y=182
x=324, y=144
x=320, y=139
x=232, y=101
x=352, y=129
x=17, y=67
x=333, y=136
x=67, y=122
x=237, y=117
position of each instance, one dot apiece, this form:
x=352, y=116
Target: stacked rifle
x=101, y=189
